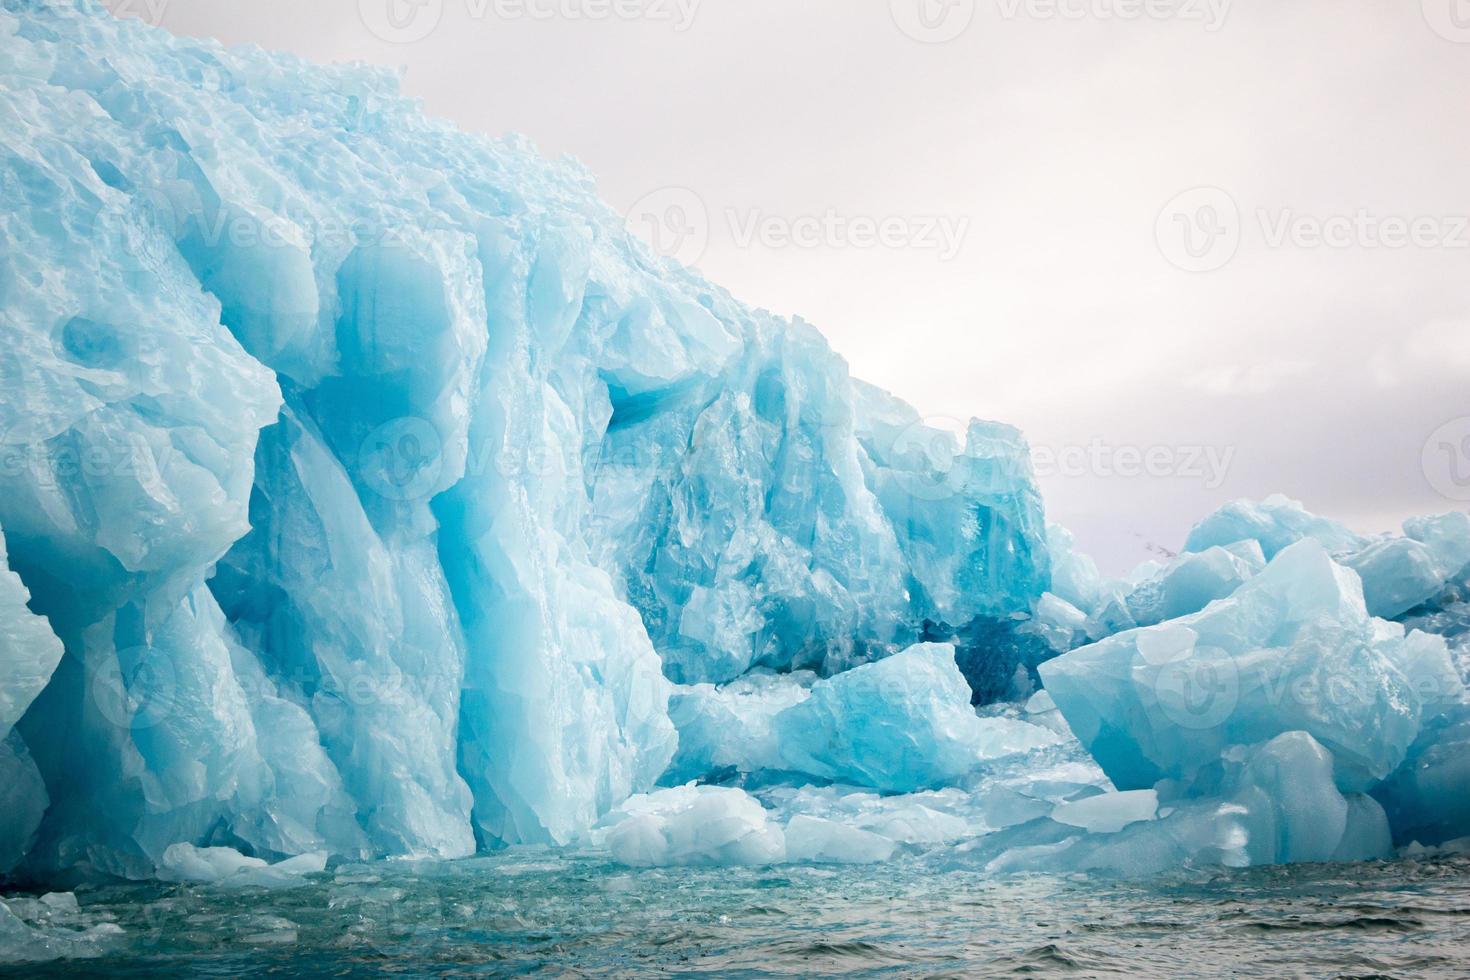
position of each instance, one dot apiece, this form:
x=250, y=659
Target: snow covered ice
x=369, y=491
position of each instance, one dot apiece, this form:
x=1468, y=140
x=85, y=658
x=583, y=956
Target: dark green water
x=540, y=914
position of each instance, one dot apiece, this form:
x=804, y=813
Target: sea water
x=540, y=913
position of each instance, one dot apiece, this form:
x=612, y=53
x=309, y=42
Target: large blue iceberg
x=377, y=483
x=366, y=490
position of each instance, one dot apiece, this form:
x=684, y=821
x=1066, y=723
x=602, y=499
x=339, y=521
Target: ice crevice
x=368, y=491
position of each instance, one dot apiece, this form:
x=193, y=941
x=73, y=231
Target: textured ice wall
x=373, y=478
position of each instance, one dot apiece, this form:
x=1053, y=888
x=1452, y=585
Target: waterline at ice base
x=371, y=498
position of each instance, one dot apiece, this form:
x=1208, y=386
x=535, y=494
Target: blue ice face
x=375, y=480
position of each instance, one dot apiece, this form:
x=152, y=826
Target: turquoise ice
x=374, y=478
x=367, y=490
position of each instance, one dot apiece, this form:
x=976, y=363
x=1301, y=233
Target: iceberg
x=1275, y=524
x=900, y=725
x=370, y=486
x=1399, y=574
x=692, y=825
x=228, y=868
x=1278, y=803
x=731, y=728
x=368, y=491
x=1293, y=649
x=1192, y=581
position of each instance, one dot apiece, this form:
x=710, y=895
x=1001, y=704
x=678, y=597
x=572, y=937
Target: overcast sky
x=1223, y=242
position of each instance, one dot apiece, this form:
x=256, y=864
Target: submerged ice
x=369, y=492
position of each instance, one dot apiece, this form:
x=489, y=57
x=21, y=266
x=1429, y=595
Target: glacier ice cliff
x=366, y=490
x=378, y=485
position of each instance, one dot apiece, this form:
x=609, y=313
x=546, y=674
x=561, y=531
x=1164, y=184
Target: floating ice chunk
x=934, y=817
x=185, y=862
x=817, y=841
x=1292, y=650
x=1108, y=813
x=1275, y=523
x=692, y=825
x=732, y=727
x=1277, y=803
x=228, y=867
x=37, y=931
x=899, y=725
